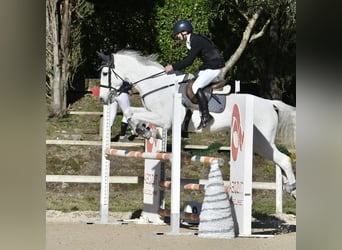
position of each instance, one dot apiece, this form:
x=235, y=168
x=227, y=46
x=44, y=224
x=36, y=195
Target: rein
x=155, y=90
x=164, y=87
x=149, y=77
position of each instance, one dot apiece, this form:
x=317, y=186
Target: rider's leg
x=204, y=77
x=206, y=118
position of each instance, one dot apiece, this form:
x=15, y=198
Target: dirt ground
x=80, y=230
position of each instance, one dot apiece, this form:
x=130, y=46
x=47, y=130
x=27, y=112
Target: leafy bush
x=167, y=13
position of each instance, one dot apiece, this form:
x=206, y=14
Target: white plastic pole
x=176, y=163
x=237, y=86
x=105, y=165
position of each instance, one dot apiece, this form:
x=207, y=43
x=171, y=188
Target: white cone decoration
x=216, y=219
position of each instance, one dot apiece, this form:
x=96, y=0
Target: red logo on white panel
x=237, y=135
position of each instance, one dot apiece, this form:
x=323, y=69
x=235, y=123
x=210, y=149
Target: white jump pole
x=176, y=163
x=105, y=165
x=152, y=176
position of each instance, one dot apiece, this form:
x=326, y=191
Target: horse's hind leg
x=269, y=150
x=185, y=123
x=284, y=162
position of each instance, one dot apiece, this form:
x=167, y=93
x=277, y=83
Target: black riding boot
x=123, y=128
x=122, y=135
x=206, y=118
x=123, y=131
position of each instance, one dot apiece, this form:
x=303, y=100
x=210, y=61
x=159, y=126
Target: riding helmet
x=182, y=25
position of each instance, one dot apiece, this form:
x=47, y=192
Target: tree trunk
x=243, y=44
x=53, y=57
x=64, y=42
x=58, y=52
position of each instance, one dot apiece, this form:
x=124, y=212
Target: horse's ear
x=112, y=60
x=100, y=54
x=103, y=57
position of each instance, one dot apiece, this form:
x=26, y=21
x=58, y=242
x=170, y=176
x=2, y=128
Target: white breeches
x=204, y=77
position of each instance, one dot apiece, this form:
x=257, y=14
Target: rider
x=213, y=62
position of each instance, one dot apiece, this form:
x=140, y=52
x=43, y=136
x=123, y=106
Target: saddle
x=215, y=92
x=216, y=87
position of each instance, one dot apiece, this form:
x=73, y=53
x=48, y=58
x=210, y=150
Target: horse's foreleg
x=129, y=112
x=138, y=118
x=185, y=123
x=140, y=129
x=157, y=119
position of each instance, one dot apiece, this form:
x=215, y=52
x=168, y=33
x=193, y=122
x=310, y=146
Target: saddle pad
x=213, y=105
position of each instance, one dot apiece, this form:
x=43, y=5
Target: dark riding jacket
x=206, y=50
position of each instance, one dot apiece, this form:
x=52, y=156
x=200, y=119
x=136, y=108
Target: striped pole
x=189, y=186
x=162, y=156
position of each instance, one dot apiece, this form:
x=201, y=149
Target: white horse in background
x=157, y=89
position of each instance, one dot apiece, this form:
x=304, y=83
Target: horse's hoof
x=139, y=131
x=132, y=137
x=206, y=121
x=291, y=189
x=115, y=138
x=147, y=134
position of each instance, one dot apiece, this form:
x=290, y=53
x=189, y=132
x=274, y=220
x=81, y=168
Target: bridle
x=110, y=64
x=113, y=91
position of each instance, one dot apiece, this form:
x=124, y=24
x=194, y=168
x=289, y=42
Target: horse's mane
x=145, y=60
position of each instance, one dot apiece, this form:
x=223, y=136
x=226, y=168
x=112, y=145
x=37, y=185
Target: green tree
x=263, y=37
x=257, y=38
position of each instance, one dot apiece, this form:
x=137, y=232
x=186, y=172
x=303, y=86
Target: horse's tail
x=286, y=132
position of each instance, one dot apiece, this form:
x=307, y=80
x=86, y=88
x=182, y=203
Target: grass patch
x=267, y=208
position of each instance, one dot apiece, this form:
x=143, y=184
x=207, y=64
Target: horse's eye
x=105, y=73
